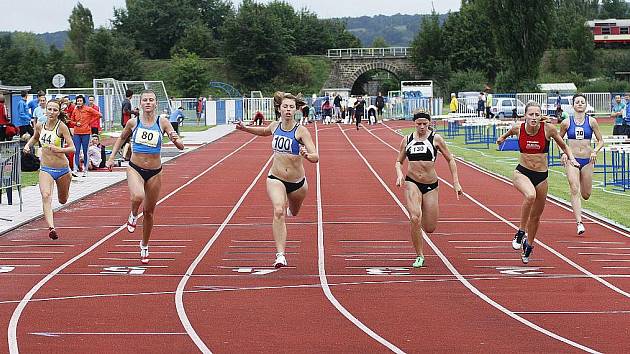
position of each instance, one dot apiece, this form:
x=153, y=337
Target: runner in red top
x=530, y=176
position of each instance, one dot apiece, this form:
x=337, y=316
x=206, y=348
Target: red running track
x=349, y=286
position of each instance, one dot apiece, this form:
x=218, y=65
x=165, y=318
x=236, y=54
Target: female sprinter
x=52, y=136
x=530, y=176
x=420, y=148
x=580, y=128
x=286, y=182
x=144, y=175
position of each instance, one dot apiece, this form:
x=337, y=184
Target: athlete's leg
x=136, y=189
x=526, y=188
x=46, y=185
x=430, y=211
x=63, y=187
x=278, y=196
x=414, y=207
x=296, y=198
x=536, y=211
x=586, y=181
x=573, y=176
x=152, y=194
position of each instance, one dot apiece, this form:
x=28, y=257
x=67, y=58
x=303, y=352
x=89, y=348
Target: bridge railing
x=369, y=52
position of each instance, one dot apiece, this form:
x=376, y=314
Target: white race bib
x=418, y=149
x=147, y=137
x=579, y=133
x=281, y=144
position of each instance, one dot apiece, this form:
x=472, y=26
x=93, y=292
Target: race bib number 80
x=579, y=133
x=147, y=137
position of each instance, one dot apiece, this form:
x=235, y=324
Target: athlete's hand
x=458, y=190
x=564, y=159
x=575, y=163
x=173, y=136
x=27, y=149
x=400, y=181
x=53, y=148
x=593, y=157
x=303, y=152
x=239, y=125
x=109, y=164
x=500, y=140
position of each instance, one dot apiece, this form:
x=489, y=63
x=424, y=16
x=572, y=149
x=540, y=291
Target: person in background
x=23, y=119
x=200, y=108
x=359, y=110
x=380, y=104
x=558, y=104
x=175, y=117
x=34, y=103
x=82, y=118
x=39, y=114
x=127, y=113
x=95, y=153
x=454, y=105
x=4, y=119
x=562, y=115
x=618, y=110
x=96, y=124
x=259, y=118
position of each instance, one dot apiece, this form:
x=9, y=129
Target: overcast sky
x=52, y=15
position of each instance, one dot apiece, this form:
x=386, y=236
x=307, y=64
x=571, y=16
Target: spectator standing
x=351, y=102
x=127, y=112
x=380, y=104
x=4, y=119
x=359, y=110
x=23, y=119
x=481, y=104
x=82, y=118
x=618, y=110
x=96, y=125
x=558, y=104
x=489, y=113
x=39, y=114
x=454, y=105
x=175, y=117
x=199, y=111
x=337, y=104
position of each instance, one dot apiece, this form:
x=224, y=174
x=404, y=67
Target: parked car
x=503, y=107
x=566, y=102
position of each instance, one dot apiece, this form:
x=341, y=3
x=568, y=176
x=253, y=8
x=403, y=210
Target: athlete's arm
x=308, y=151
x=598, y=135
x=441, y=145
x=33, y=139
x=171, y=133
x=400, y=176
x=261, y=131
x=67, y=137
x=564, y=126
x=512, y=131
x=126, y=132
x=552, y=132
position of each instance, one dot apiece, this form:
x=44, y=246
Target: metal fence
x=10, y=168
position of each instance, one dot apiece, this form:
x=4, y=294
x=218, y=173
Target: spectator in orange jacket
x=96, y=125
x=82, y=117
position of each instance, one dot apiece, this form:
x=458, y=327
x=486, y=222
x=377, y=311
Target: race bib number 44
x=147, y=137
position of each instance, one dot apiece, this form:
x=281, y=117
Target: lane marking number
x=123, y=270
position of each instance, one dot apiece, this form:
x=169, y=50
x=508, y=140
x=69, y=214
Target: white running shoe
x=289, y=213
x=85, y=173
x=144, y=253
x=281, y=261
x=580, y=228
x=132, y=222
x=517, y=241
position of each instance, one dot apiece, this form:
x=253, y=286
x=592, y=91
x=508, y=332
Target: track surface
x=349, y=287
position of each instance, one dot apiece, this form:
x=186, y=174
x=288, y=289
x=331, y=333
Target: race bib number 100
x=147, y=137
x=579, y=133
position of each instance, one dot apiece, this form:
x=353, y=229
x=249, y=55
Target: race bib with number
x=282, y=144
x=147, y=137
x=418, y=149
x=579, y=133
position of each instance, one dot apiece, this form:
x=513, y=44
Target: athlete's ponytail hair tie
x=421, y=114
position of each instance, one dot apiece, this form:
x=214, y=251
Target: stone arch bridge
x=349, y=64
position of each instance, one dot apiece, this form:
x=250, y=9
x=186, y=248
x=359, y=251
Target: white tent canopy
x=561, y=87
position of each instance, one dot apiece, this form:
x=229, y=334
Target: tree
x=81, y=27
x=109, y=55
x=256, y=48
x=427, y=50
x=582, y=52
x=565, y=15
x=190, y=77
x=198, y=39
x=523, y=38
x=23, y=60
x=379, y=42
x=613, y=9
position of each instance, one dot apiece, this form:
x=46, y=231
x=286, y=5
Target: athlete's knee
x=278, y=212
x=136, y=198
x=46, y=196
x=529, y=198
x=148, y=211
x=415, y=219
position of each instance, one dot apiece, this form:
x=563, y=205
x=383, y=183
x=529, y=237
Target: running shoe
x=580, y=228
x=132, y=222
x=527, y=251
x=85, y=173
x=144, y=253
x=517, y=241
x=281, y=261
x=52, y=233
x=289, y=213
x=419, y=262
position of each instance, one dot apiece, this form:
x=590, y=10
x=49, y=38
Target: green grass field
x=606, y=202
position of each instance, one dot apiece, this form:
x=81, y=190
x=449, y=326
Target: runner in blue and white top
x=144, y=174
x=286, y=182
x=580, y=130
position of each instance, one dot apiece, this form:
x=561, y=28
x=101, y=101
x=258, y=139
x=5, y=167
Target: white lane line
x=29, y=246
x=322, y=268
x=481, y=241
x=595, y=242
x=484, y=247
x=152, y=252
x=30, y=252
x=153, y=246
x=453, y=270
x=544, y=245
x=610, y=260
x=153, y=241
x=57, y=334
x=612, y=312
x=374, y=241
x=135, y=259
x=13, y=322
x=498, y=259
x=613, y=267
x=179, y=294
x=24, y=259
x=603, y=254
x=598, y=248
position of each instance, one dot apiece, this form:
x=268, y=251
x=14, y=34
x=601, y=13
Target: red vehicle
x=610, y=32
